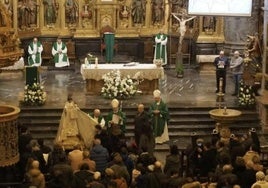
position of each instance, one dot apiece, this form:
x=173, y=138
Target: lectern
x=109, y=46
x=31, y=75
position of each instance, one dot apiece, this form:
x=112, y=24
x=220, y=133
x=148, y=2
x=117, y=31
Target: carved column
x=237, y=29
x=15, y=15
x=148, y=18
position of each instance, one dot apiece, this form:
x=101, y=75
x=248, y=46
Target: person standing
x=116, y=122
x=160, y=51
x=98, y=117
x=59, y=52
x=35, y=49
x=237, y=68
x=159, y=114
x=221, y=63
x=143, y=130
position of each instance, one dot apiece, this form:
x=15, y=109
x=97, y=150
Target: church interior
x=187, y=81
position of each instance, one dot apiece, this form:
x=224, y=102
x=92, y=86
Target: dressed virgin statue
x=76, y=126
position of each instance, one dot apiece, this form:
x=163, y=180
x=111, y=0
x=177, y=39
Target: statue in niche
x=8, y=6
x=209, y=24
x=86, y=13
x=71, y=11
x=254, y=47
x=124, y=13
x=2, y=20
x=138, y=11
x=27, y=14
x=51, y=11
x=158, y=11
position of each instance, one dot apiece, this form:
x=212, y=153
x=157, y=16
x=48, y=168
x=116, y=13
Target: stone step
x=44, y=122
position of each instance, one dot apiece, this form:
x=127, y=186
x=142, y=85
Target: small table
x=149, y=73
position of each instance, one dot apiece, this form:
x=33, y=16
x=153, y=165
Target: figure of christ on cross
x=182, y=22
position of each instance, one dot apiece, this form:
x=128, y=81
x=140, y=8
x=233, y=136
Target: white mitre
x=115, y=103
x=157, y=93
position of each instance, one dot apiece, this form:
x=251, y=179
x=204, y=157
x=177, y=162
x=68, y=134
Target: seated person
x=35, y=49
x=59, y=52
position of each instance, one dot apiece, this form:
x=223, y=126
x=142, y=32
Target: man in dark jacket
x=100, y=155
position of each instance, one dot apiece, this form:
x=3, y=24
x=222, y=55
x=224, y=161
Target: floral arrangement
x=116, y=86
x=246, y=95
x=34, y=95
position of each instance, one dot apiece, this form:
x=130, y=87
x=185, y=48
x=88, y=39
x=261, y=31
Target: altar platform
x=193, y=90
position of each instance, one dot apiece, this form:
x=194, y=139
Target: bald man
x=221, y=64
x=98, y=117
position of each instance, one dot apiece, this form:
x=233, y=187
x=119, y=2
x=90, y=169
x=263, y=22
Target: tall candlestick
x=96, y=62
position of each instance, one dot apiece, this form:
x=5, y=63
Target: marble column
x=236, y=29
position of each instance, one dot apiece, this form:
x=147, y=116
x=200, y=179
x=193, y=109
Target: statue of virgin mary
x=76, y=126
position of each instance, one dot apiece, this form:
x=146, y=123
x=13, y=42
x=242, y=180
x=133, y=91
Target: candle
x=86, y=61
x=96, y=62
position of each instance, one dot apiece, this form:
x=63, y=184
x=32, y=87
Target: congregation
x=208, y=164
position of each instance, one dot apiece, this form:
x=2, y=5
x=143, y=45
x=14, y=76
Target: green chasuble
x=122, y=121
x=109, y=46
x=56, y=56
x=160, y=47
x=31, y=61
x=159, y=120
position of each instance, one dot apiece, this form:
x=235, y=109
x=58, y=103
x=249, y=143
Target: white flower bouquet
x=116, y=86
x=246, y=95
x=34, y=95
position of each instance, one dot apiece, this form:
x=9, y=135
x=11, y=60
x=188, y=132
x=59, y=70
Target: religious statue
x=182, y=22
x=71, y=11
x=209, y=24
x=124, y=13
x=8, y=6
x=138, y=11
x=27, y=13
x=254, y=47
x=75, y=126
x=51, y=11
x=158, y=11
x=160, y=51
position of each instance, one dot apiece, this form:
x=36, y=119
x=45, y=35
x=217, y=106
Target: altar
x=148, y=73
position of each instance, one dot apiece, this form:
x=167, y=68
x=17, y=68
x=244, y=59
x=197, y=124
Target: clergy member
x=116, y=122
x=98, y=117
x=35, y=49
x=160, y=51
x=59, y=52
x=159, y=114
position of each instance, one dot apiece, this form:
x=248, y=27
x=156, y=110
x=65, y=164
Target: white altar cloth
x=145, y=71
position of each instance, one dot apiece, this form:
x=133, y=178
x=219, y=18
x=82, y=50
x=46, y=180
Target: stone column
x=236, y=29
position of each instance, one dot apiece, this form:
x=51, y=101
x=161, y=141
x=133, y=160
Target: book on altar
x=115, y=119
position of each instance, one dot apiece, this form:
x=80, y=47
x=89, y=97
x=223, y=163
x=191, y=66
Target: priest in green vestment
x=160, y=51
x=59, y=52
x=109, y=46
x=35, y=49
x=159, y=114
